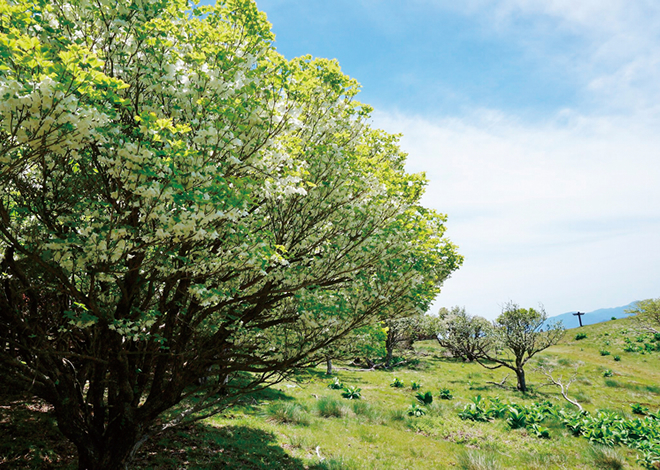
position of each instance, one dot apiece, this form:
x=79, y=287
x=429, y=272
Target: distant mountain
x=589, y=318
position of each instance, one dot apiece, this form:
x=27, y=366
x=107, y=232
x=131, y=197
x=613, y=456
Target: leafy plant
x=580, y=336
x=336, y=384
x=540, y=431
x=415, y=385
x=424, y=398
x=517, y=418
x=616, y=357
x=639, y=409
x=397, y=383
x=416, y=410
x=352, y=393
x=496, y=408
x=445, y=394
x=608, y=373
x=475, y=411
x=604, y=352
x=629, y=347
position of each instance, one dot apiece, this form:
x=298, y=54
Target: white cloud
x=565, y=213
x=618, y=59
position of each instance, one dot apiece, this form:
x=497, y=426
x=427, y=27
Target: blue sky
x=536, y=122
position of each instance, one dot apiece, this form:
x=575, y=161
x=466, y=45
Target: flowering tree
x=464, y=335
x=647, y=314
x=185, y=215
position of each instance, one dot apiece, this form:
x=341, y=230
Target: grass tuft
x=331, y=408
x=606, y=458
x=476, y=460
x=288, y=413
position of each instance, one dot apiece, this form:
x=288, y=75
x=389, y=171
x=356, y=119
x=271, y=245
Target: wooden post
x=579, y=315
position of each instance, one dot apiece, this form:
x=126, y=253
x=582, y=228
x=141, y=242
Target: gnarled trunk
x=109, y=449
x=522, y=384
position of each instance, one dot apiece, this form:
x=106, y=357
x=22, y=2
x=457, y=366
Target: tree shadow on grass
x=29, y=437
x=203, y=446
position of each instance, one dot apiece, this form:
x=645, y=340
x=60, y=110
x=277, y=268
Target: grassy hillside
x=304, y=424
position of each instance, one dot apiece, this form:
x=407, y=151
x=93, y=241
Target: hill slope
x=303, y=424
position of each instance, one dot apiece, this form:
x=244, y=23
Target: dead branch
x=559, y=383
x=500, y=384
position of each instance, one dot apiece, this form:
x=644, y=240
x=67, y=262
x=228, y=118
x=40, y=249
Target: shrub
x=616, y=358
x=415, y=385
x=424, y=398
x=604, y=352
x=397, y=383
x=608, y=373
x=580, y=336
x=352, y=393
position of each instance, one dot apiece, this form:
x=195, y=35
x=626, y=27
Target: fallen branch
x=563, y=386
x=500, y=384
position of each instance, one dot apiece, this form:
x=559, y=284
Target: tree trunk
x=328, y=363
x=114, y=456
x=100, y=447
x=522, y=385
x=389, y=346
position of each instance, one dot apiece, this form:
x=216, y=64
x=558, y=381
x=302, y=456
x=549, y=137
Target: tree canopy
x=179, y=201
x=464, y=335
x=510, y=341
x=647, y=314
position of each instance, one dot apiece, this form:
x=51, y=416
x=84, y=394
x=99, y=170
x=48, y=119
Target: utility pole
x=579, y=315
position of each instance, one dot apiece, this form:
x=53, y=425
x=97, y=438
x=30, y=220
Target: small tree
x=647, y=314
x=403, y=332
x=519, y=332
x=464, y=335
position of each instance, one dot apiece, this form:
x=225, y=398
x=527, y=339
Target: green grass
x=304, y=424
